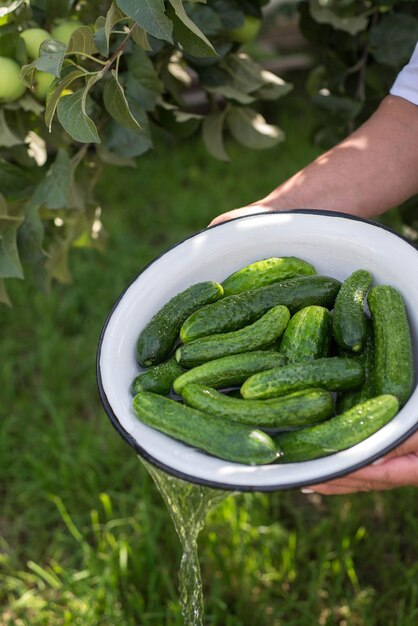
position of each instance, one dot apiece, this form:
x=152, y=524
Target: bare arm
x=369, y=172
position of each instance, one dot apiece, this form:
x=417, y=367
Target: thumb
x=230, y=215
x=406, y=447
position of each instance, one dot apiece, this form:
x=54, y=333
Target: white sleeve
x=406, y=82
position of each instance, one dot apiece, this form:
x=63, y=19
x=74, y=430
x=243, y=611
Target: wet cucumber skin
x=300, y=408
x=158, y=338
x=234, y=312
x=223, y=439
x=262, y=333
x=349, y=319
x=393, y=345
x=347, y=399
x=229, y=371
x=338, y=433
x=307, y=335
x=266, y=272
x=333, y=374
x=158, y=378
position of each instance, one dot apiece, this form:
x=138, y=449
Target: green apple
x=63, y=29
x=248, y=31
x=42, y=83
x=11, y=85
x=33, y=37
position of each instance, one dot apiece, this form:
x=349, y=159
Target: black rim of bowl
x=214, y=484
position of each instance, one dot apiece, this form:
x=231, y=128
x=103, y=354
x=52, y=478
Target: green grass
x=85, y=538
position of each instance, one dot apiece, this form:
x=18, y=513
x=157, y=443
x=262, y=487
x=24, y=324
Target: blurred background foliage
x=87, y=84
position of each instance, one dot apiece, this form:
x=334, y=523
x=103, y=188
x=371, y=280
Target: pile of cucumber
x=277, y=364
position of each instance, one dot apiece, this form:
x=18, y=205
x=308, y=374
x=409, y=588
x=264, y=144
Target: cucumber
x=229, y=371
x=338, y=433
x=296, y=409
x=265, y=272
x=334, y=374
x=219, y=437
x=234, y=312
x=158, y=378
x=347, y=399
x=349, y=319
x=261, y=333
x=159, y=336
x=394, y=372
x=307, y=335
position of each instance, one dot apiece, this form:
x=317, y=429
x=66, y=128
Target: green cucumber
x=338, y=433
x=260, y=334
x=157, y=339
x=265, y=272
x=229, y=371
x=347, y=399
x=334, y=374
x=158, y=378
x=349, y=319
x=219, y=437
x=394, y=372
x=296, y=409
x=307, y=335
x=234, y=312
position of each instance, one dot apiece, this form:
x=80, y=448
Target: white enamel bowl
x=336, y=245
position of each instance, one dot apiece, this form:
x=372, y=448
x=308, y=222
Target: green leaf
x=116, y=103
x=230, y=93
x=30, y=238
x=55, y=91
x=14, y=182
x=250, y=129
x=112, y=158
x=150, y=15
x=246, y=75
x=28, y=103
x=139, y=36
x=27, y=74
x=207, y=20
x=4, y=296
x=113, y=16
x=393, y=39
x=10, y=266
x=212, y=135
x=99, y=36
x=189, y=36
x=6, y=10
x=71, y=111
x=13, y=46
x=51, y=57
x=340, y=107
x=55, y=9
x=7, y=137
x=143, y=83
x=349, y=24
x=126, y=142
x=57, y=263
x=55, y=191
x=231, y=14
x=81, y=41
x=274, y=87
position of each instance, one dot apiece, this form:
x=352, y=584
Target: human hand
x=399, y=468
x=247, y=210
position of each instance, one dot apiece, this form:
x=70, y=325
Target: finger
x=395, y=472
x=250, y=210
x=406, y=447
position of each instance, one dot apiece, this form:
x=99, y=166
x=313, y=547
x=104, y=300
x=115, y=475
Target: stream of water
x=189, y=506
